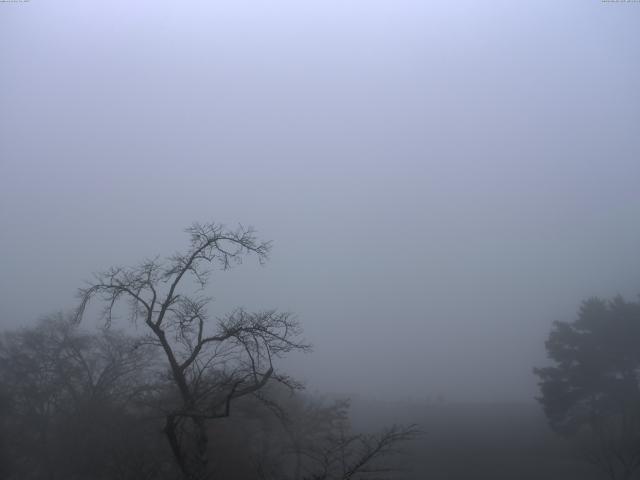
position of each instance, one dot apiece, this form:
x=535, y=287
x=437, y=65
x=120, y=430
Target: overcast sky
x=441, y=180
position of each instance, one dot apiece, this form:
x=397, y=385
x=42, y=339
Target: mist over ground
x=441, y=180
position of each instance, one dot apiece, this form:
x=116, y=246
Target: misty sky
x=441, y=180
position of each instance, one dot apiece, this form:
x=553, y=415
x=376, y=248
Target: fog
x=441, y=180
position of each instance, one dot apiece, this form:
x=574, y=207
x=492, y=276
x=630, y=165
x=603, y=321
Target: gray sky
x=441, y=180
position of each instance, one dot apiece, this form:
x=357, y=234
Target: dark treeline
x=80, y=405
x=91, y=405
x=196, y=397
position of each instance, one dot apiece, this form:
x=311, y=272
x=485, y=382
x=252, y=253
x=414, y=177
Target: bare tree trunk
x=189, y=444
x=200, y=457
x=171, y=431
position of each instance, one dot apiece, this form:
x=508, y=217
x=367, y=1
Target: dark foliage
x=592, y=391
x=78, y=405
x=74, y=405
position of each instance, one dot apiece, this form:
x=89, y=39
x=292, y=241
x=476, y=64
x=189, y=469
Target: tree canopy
x=593, y=386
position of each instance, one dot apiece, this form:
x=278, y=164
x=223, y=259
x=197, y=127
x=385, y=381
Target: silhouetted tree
x=211, y=362
x=592, y=390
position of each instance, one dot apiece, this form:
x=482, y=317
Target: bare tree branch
x=211, y=363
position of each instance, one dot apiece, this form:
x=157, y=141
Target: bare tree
x=319, y=443
x=211, y=362
x=343, y=455
x=360, y=455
